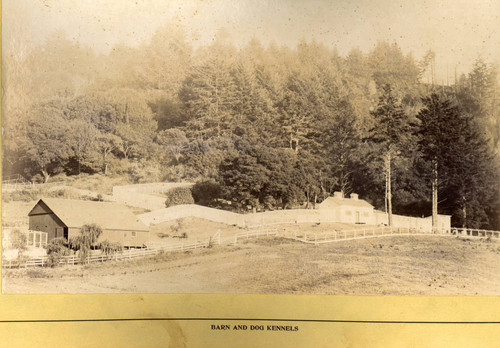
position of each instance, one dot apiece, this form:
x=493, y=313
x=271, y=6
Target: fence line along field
x=154, y=248
x=396, y=265
x=192, y=250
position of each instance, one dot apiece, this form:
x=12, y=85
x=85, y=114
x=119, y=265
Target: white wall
x=425, y=224
x=191, y=210
x=282, y=217
x=141, y=195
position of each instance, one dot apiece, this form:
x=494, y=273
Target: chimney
x=338, y=195
x=354, y=196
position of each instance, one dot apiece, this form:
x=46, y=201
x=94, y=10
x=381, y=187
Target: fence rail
x=10, y=185
x=15, y=179
x=154, y=248
x=341, y=235
x=126, y=254
x=468, y=232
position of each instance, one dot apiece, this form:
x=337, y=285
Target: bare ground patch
x=415, y=265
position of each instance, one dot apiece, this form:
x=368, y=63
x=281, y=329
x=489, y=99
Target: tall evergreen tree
x=462, y=165
x=391, y=128
x=434, y=143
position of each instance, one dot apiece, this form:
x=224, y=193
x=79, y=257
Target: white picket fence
x=124, y=255
x=468, y=232
x=376, y=232
x=154, y=248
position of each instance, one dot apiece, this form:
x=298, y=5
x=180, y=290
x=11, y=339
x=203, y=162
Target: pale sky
x=458, y=31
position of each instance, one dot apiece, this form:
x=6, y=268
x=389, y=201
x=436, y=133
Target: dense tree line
x=263, y=127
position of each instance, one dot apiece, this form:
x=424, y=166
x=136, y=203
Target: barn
x=65, y=217
x=349, y=210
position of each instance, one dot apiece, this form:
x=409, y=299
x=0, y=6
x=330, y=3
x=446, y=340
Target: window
x=134, y=234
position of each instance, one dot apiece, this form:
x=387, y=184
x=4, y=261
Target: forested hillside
x=262, y=127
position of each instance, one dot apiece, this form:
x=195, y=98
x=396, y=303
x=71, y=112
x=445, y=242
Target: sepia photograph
x=323, y=147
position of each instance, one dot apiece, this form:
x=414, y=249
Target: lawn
x=402, y=265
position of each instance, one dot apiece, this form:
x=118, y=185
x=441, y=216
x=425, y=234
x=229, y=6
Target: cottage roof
x=350, y=202
x=76, y=213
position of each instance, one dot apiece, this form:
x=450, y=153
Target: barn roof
x=76, y=213
x=336, y=201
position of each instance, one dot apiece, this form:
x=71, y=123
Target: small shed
x=349, y=210
x=65, y=217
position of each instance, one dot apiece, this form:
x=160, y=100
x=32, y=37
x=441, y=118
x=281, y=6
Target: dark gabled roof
x=109, y=215
x=336, y=201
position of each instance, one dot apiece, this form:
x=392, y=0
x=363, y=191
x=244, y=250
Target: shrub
x=67, y=193
x=177, y=226
x=56, y=250
x=89, y=233
x=110, y=248
x=179, y=195
x=269, y=202
x=19, y=241
x=206, y=192
x=24, y=195
x=36, y=273
x=178, y=173
x=144, y=172
x=118, y=167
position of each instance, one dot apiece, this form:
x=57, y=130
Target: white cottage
x=349, y=210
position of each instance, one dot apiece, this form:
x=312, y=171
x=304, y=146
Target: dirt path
x=393, y=265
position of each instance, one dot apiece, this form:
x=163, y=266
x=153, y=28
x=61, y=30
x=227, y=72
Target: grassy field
x=415, y=265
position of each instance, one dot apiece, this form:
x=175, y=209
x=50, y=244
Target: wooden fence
x=342, y=235
x=18, y=182
x=126, y=254
x=154, y=248
x=252, y=234
x=467, y=232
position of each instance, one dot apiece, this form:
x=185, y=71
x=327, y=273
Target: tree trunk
x=105, y=164
x=434, y=195
x=46, y=176
x=125, y=151
x=464, y=211
x=389, y=190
